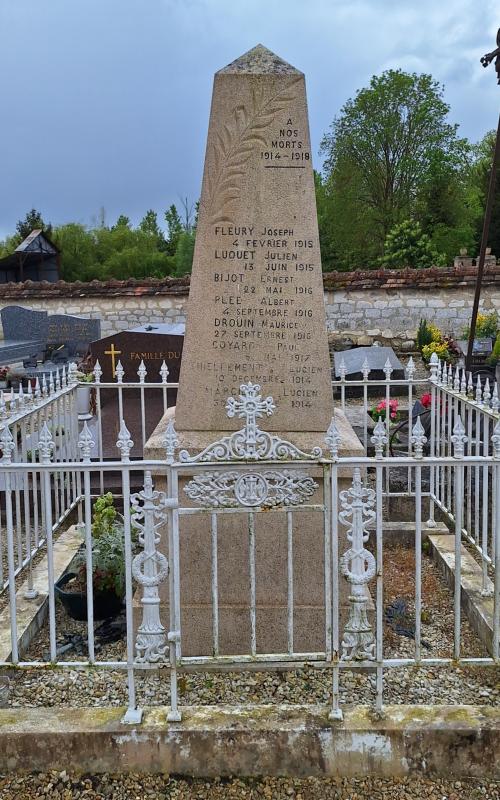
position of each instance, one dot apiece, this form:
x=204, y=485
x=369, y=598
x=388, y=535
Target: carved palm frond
x=234, y=145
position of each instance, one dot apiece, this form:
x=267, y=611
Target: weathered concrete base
x=455, y=741
x=478, y=607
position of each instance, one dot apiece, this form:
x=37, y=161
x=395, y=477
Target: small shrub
x=424, y=334
x=486, y=326
x=494, y=358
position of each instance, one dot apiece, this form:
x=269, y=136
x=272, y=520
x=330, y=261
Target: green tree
x=406, y=245
x=122, y=222
x=78, y=250
x=479, y=181
x=149, y=226
x=184, y=253
x=33, y=220
x=380, y=150
x=345, y=223
x=443, y=206
x=175, y=228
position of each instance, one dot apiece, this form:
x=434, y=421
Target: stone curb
x=296, y=741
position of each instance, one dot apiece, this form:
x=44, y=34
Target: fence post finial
x=470, y=387
x=72, y=376
x=45, y=444
x=119, y=372
x=124, y=443
x=332, y=440
x=434, y=365
x=418, y=438
x=410, y=369
x=486, y=393
x=86, y=442
x=495, y=439
x=495, y=403
x=479, y=391
x=7, y=444
x=97, y=371
x=164, y=373
x=142, y=372
x=459, y=438
x=463, y=383
x=170, y=442
x=379, y=439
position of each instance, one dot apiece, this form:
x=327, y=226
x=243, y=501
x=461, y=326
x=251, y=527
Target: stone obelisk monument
x=256, y=309
x=255, y=315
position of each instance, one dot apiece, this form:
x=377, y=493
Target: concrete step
x=479, y=608
x=31, y=614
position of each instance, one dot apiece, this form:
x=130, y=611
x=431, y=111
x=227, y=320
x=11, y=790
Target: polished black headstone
x=153, y=344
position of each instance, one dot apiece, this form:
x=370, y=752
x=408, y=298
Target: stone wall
x=361, y=306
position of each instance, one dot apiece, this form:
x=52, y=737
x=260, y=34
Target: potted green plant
x=108, y=566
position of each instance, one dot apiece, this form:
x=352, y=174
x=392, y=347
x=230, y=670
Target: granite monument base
x=270, y=563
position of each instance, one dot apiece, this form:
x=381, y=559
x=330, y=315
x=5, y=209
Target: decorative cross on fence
x=250, y=406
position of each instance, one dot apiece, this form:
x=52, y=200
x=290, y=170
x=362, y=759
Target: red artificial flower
x=426, y=400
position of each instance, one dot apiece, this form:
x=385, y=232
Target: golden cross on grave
x=113, y=353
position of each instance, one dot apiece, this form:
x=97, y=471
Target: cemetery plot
x=309, y=685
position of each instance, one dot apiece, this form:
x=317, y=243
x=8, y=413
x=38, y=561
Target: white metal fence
x=54, y=400
x=246, y=474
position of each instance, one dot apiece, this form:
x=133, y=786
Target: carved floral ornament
x=234, y=146
x=266, y=489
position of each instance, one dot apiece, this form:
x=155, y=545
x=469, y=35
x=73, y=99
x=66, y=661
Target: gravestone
x=75, y=333
x=30, y=335
x=256, y=308
x=24, y=332
x=255, y=314
x=376, y=357
x=153, y=344
x=24, y=323
x=480, y=347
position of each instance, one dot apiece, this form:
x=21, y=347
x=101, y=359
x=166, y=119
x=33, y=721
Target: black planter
x=106, y=604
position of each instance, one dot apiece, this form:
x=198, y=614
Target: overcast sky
x=104, y=103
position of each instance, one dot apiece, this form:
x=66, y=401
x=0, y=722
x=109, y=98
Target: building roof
x=37, y=242
x=35, y=248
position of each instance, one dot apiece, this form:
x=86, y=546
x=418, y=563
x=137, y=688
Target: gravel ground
x=63, y=786
x=74, y=688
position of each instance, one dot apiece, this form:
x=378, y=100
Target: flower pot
x=83, y=400
x=106, y=604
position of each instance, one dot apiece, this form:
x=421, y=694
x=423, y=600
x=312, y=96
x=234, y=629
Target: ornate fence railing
x=250, y=475
x=476, y=403
x=59, y=400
